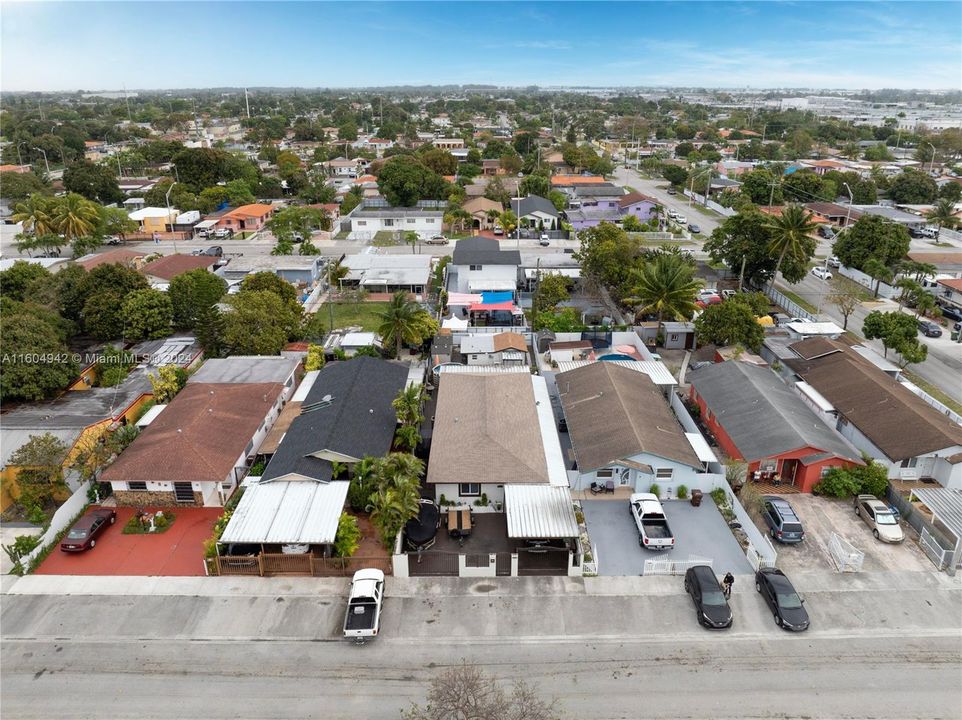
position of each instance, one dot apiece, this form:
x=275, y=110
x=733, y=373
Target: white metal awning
x=701, y=448
x=286, y=512
x=945, y=504
x=539, y=511
x=492, y=285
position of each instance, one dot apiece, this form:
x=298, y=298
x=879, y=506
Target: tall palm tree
x=943, y=214
x=665, y=286
x=407, y=405
x=390, y=509
x=36, y=214
x=75, y=216
x=400, y=322
x=790, y=233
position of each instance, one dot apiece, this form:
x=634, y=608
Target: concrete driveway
x=699, y=531
x=821, y=517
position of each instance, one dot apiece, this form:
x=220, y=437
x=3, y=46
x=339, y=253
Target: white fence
x=884, y=289
x=937, y=554
x=61, y=519
x=785, y=302
x=846, y=556
x=756, y=560
x=758, y=542
x=674, y=567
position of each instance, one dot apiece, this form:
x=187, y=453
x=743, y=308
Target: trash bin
x=696, y=497
x=954, y=335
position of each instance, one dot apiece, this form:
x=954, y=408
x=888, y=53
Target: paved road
x=657, y=189
x=885, y=647
x=942, y=368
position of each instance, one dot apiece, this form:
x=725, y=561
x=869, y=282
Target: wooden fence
x=271, y=564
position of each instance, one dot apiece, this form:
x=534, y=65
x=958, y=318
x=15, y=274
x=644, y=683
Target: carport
x=946, y=508
x=699, y=531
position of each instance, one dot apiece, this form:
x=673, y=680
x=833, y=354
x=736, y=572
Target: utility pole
x=248, y=103
x=851, y=201
x=127, y=100
x=45, y=162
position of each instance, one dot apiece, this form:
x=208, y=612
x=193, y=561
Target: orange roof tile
x=253, y=210
x=577, y=180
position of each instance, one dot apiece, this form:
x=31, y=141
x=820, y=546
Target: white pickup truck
x=653, y=530
x=364, y=605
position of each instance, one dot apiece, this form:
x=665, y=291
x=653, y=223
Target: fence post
x=260, y=564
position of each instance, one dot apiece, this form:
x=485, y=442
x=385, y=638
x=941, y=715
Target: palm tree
x=75, y=216
x=390, y=509
x=400, y=322
x=407, y=437
x=407, y=405
x=411, y=238
x=790, y=234
x=943, y=214
x=398, y=470
x=665, y=286
x=879, y=272
x=36, y=215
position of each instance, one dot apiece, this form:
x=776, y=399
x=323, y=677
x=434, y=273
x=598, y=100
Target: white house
x=480, y=265
x=506, y=348
x=372, y=216
x=622, y=430
x=388, y=273
x=536, y=212
x=878, y=414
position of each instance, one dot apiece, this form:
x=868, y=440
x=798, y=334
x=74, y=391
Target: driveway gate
x=846, y=556
x=937, y=554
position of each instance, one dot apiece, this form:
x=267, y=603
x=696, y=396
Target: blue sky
x=69, y=46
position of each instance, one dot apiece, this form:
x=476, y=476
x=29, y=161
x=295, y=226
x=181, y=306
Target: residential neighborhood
x=425, y=389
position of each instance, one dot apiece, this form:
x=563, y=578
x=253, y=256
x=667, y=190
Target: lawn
x=350, y=314
x=798, y=299
x=933, y=391
x=385, y=238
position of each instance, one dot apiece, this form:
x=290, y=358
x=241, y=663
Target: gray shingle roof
x=533, y=203
x=483, y=251
x=358, y=419
x=761, y=414
x=600, y=190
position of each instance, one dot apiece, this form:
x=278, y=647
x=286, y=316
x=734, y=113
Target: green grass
x=798, y=299
x=342, y=235
x=934, y=391
x=706, y=211
x=384, y=238
x=348, y=315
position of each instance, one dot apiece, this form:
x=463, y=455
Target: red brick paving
x=177, y=552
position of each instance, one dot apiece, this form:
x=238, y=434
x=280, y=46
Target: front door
x=789, y=470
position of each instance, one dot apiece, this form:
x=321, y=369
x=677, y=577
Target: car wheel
x=875, y=533
x=92, y=543
x=758, y=587
x=113, y=519
x=857, y=512
x=778, y=620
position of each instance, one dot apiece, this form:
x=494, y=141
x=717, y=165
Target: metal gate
x=755, y=558
x=543, y=561
x=937, y=554
x=674, y=567
x=433, y=563
x=846, y=556
x=502, y=564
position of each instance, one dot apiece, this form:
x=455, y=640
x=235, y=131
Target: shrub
x=750, y=498
x=682, y=492
x=720, y=498
x=257, y=469
x=655, y=489
x=359, y=492
x=348, y=537
x=22, y=545
x=838, y=482
x=442, y=500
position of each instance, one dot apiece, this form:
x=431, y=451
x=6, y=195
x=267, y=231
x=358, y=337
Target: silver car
x=879, y=516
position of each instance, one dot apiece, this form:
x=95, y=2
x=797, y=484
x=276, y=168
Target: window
x=475, y=267
x=362, y=222
x=137, y=486
x=411, y=221
x=605, y=474
x=388, y=223
x=429, y=221
x=474, y=357
x=673, y=337
x=909, y=462
x=663, y=473
x=823, y=472
x=250, y=446
x=469, y=489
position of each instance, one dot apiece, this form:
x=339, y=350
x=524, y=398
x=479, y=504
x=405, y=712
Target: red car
x=706, y=300
x=83, y=535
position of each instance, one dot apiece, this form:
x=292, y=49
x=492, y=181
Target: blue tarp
x=493, y=298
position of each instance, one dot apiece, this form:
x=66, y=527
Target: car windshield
x=76, y=534
x=885, y=518
x=713, y=597
x=789, y=601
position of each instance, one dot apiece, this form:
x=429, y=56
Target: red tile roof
x=253, y=210
x=119, y=256
x=171, y=266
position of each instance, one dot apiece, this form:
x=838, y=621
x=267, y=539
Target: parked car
x=929, y=329
x=785, y=604
x=693, y=228
x=223, y=233
x=653, y=530
x=436, y=240
x=83, y=534
x=826, y=231
x=672, y=214
x=498, y=230
x=834, y=262
x=213, y=251
x=363, y=618
x=728, y=294
x=112, y=240
x=297, y=238
x=879, y=516
x=783, y=524
x=672, y=191
x=681, y=219
x=710, y=603
x=543, y=241
x=951, y=313
x=708, y=291
x=822, y=272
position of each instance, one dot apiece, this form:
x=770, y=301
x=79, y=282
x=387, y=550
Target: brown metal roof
x=171, y=266
x=199, y=436
x=486, y=430
x=614, y=413
x=898, y=422
x=814, y=347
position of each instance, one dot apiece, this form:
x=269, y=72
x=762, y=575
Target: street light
x=167, y=200
x=932, y=161
x=691, y=195
x=517, y=220
x=851, y=201
x=19, y=156
x=44, y=159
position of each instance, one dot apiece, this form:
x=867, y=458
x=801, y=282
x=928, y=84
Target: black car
x=951, y=313
x=785, y=604
x=929, y=329
x=826, y=231
x=710, y=603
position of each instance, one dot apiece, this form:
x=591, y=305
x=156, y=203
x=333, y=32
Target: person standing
x=727, y=584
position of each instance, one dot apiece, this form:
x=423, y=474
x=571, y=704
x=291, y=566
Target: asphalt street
x=881, y=646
